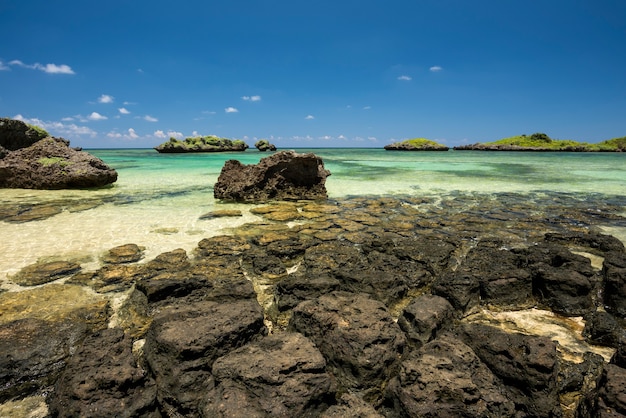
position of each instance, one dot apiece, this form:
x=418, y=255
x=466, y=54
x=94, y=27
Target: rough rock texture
x=285, y=175
x=15, y=134
x=184, y=340
x=445, y=378
x=279, y=375
x=614, y=277
x=358, y=337
x=264, y=145
x=424, y=318
x=127, y=253
x=102, y=378
x=601, y=328
x=40, y=273
x=51, y=164
x=527, y=365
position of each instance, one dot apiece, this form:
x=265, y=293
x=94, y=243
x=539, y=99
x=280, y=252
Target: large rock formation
x=286, y=175
x=51, y=164
x=15, y=134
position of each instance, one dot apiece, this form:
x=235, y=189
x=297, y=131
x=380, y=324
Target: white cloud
x=341, y=137
x=105, y=98
x=96, y=116
x=123, y=111
x=4, y=67
x=231, y=110
x=404, y=78
x=48, y=68
x=132, y=134
x=150, y=118
x=367, y=107
x=160, y=134
x=252, y=98
x=436, y=68
x=326, y=137
x=59, y=128
x=309, y=117
x=174, y=134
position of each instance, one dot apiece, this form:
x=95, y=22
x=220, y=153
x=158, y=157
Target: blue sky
x=314, y=74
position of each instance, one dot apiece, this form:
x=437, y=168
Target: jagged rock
x=39, y=328
x=15, y=134
x=526, y=364
x=602, y=329
x=224, y=213
x=614, y=278
x=40, y=273
x=51, y=164
x=185, y=339
x=561, y=279
x=285, y=175
x=619, y=358
x=425, y=317
x=358, y=337
x=280, y=376
x=350, y=405
x=445, y=378
x=462, y=290
x=102, y=378
x=611, y=396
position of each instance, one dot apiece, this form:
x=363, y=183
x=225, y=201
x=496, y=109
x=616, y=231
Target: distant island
x=209, y=143
x=416, y=144
x=264, y=145
x=542, y=142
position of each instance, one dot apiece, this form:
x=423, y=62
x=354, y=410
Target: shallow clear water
x=158, y=198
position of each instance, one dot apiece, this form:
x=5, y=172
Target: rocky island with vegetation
x=542, y=142
x=264, y=145
x=208, y=143
x=416, y=144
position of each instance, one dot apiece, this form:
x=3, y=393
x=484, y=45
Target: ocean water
x=158, y=198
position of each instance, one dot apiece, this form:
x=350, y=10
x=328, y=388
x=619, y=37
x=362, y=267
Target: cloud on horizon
x=48, y=68
x=252, y=98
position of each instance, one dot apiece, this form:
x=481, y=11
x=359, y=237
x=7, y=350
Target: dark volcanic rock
x=285, y=175
x=34, y=353
x=445, y=378
x=184, y=340
x=602, y=329
x=561, y=279
x=51, y=164
x=462, y=290
x=15, y=134
x=527, y=365
x=614, y=277
x=426, y=317
x=102, y=378
x=358, y=337
x=280, y=376
x=350, y=405
x=611, y=395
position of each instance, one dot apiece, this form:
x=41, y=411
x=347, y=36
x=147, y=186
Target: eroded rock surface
x=285, y=175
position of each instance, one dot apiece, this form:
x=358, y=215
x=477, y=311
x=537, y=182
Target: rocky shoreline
x=362, y=307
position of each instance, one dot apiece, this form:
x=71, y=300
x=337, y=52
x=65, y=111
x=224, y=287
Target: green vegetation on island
x=208, y=143
x=416, y=144
x=542, y=142
x=264, y=145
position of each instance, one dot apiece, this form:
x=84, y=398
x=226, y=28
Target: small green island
x=208, y=143
x=416, y=144
x=542, y=142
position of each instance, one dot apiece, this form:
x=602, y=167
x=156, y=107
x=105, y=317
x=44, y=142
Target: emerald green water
x=158, y=198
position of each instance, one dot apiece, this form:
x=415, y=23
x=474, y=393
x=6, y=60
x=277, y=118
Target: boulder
x=285, y=175
x=425, y=317
x=358, y=337
x=527, y=365
x=601, y=328
x=185, y=339
x=15, y=134
x=445, y=378
x=103, y=377
x=614, y=278
x=51, y=164
x=264, y=145
x=280, y=375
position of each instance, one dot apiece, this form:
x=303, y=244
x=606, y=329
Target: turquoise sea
x=158, y=198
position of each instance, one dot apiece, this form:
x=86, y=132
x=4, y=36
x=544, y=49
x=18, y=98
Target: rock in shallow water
x=285, y=175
